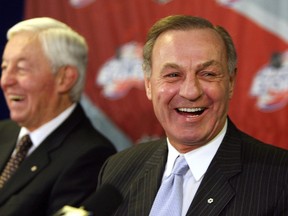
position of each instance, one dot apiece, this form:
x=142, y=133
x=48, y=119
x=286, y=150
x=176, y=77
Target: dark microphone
x=103, y=202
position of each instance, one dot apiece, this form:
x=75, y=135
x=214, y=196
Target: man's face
x=27, y=82
x=190, y=86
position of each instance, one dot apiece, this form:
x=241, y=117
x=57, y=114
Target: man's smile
x=196, y=111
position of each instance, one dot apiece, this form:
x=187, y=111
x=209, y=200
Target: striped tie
x=16, y=159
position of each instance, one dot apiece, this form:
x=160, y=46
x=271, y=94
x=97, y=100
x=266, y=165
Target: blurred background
x=115, y=30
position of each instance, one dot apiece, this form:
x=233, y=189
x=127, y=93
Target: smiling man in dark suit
x=190, y=72
x=43, y=75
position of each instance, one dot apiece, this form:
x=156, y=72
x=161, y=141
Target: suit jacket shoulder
x=134, y=159
x=9, y=131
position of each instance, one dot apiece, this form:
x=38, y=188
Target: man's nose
x=191, y=88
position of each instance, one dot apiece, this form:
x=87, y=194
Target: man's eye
x=208, y=74
x=22, y=66
x=172, y=75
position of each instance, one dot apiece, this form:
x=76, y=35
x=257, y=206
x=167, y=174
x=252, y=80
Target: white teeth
x=16, y=98
x=190, y=109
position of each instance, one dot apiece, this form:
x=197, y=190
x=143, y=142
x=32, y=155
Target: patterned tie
x=170, y=195
x=16, y=159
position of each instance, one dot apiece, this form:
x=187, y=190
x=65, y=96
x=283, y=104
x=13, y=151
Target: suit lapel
x=39, y=159
x=144, y=189
x=215, y=191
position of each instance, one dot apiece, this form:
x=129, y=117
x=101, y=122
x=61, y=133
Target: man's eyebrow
x=171, y=65
x=209, y=63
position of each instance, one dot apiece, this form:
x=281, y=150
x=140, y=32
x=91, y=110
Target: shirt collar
x=199, y=159
x=41, y=133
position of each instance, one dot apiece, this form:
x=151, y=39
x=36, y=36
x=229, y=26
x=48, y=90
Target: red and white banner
x=115, y=31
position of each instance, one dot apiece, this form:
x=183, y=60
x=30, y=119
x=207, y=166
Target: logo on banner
x=270, y=85
x=227, y=2
x=162, y=1
x=122, y=72
x=80, y=3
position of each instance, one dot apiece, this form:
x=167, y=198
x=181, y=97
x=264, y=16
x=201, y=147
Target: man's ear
x=66, y=78
x=148, y=87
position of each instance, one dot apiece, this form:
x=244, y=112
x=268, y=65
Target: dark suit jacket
x=245, y=178
x=62, y=170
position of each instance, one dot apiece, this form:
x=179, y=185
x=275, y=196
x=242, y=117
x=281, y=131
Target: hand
x=72, y=211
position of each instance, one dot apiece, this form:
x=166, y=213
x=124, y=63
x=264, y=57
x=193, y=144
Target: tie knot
x=180, y=167
x=24, y=144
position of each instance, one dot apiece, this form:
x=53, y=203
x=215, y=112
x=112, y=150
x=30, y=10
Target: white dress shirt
x=198, y=161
